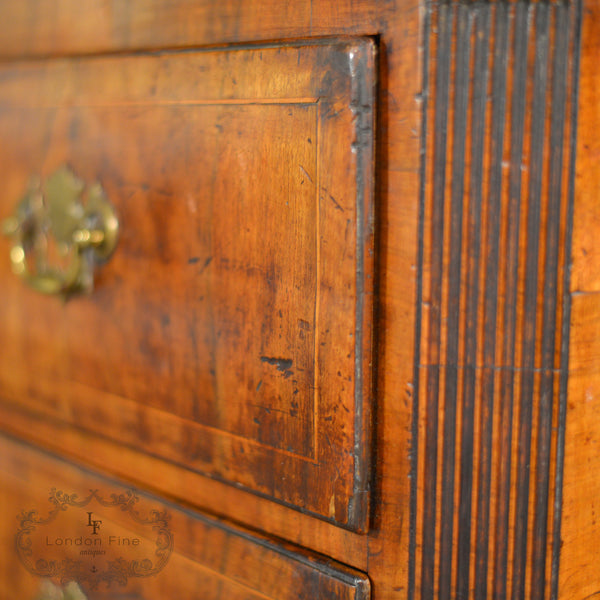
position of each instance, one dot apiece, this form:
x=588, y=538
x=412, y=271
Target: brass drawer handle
x=49, y=591
x=56, y=239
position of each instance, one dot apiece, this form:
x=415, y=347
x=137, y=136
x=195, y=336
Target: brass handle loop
x=50, y=591
x=56, y=239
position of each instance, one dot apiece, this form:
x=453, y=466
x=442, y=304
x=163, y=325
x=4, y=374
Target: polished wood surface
x=580, y=531
x=209, y=559
x=468, y=493
x=231, y=330
x=385, y=551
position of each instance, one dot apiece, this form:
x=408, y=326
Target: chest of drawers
x=347, y=336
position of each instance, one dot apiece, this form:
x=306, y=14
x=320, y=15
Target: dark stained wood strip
x=453, y=311
x=517, y=121
x=528, y=360
x=496, y=151
x=361, y=104
x=414, y=453
x=444, y=23
x=477, y=134
x=575, y=52
x=551, y=273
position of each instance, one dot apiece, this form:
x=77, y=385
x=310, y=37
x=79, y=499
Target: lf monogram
x=94, y=524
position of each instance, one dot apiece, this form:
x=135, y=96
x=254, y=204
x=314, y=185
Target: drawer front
x=123, y=544
x=230, y=332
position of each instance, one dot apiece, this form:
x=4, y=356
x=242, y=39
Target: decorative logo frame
x=117, y=570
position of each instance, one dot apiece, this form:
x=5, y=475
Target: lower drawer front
x=61, y=523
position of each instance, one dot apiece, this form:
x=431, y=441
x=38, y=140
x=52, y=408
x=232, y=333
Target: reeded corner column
x=501, y=81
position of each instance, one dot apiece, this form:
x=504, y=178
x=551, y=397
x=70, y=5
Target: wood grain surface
x=45, y=30
x=471, y=421
x=580, y=532
x=208, y=558
x=231, y=331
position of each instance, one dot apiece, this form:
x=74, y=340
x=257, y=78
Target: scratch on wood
x=206, y=263
x=306, y=173
x=270, y=409
x=304, y=324
x=335, y=202
x=196, y=259
x=282, y=364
